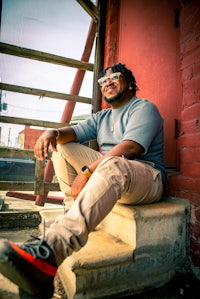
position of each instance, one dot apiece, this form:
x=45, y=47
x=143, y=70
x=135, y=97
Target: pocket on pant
x=155, y=172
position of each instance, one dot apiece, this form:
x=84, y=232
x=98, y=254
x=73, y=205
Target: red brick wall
x=187, y=184
x=30, y=137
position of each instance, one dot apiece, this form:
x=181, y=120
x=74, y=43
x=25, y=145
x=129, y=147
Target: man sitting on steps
x=129, y=168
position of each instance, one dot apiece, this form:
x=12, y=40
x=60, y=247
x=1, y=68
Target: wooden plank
x=39, y=177
x=99, y=57
x=99, y=63
x=45, y=57
x=26, y=186
x=16, y=153
x=45, y=93
x=19, y=153
x=17, y=186
x=30, y=122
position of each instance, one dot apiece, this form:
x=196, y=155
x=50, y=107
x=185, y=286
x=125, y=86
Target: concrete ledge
x=155, y=250
x=16, y=219
x=98, y=268
x=166, y=223
x=8, y=290
x=135, y=224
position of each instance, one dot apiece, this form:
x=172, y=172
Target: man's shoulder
x=142, y=102
x=143, y=106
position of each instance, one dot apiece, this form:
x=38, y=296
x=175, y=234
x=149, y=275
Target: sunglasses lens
x=102, y=81
x=113, y=77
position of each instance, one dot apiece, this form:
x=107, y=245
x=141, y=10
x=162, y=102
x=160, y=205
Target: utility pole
x=9, y=136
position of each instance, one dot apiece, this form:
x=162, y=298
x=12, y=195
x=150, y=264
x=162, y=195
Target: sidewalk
x=184, y=286
x=17, y=206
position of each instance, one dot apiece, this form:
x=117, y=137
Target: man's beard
x=116, y=98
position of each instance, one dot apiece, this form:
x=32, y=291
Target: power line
x=39, y=110
x=25, y=108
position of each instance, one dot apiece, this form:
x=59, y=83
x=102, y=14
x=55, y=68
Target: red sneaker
x=31, y=266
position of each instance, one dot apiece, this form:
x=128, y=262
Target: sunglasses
x=113, y=77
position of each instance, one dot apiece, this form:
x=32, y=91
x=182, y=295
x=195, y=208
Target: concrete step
x=19, y=220
x=143, y=224
x=7, y=289
x=133, y=249
x=97, y=269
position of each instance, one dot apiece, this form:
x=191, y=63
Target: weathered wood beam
x=19, y=153
x=45, y=93
x=99, y=55
x=17, y=186
x=16, y=153
x=30, y=122
x=26, y=186
x=90, y=8
x=40, y=186
x=39, y=177
x=45, y=57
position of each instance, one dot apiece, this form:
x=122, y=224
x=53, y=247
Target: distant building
x=28, y=137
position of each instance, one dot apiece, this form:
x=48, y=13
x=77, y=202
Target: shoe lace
x=37, y=247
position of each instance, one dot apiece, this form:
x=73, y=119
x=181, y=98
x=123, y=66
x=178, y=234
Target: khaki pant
x=115, y=179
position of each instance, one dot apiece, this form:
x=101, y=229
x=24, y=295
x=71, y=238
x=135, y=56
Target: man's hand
x=42, y=145
x=78, y=184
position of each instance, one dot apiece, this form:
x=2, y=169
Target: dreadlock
x=119, y=67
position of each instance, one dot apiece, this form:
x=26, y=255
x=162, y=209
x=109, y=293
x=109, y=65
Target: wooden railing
x=97, y=29
x=39, y=186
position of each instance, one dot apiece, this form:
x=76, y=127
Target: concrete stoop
x=134, y=248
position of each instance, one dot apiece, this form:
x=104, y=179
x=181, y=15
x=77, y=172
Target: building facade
x=160, y=42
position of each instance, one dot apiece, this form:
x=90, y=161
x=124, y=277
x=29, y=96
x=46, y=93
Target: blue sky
x=57, y=27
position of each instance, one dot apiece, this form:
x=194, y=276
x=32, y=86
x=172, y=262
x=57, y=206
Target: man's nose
x=108, y=81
